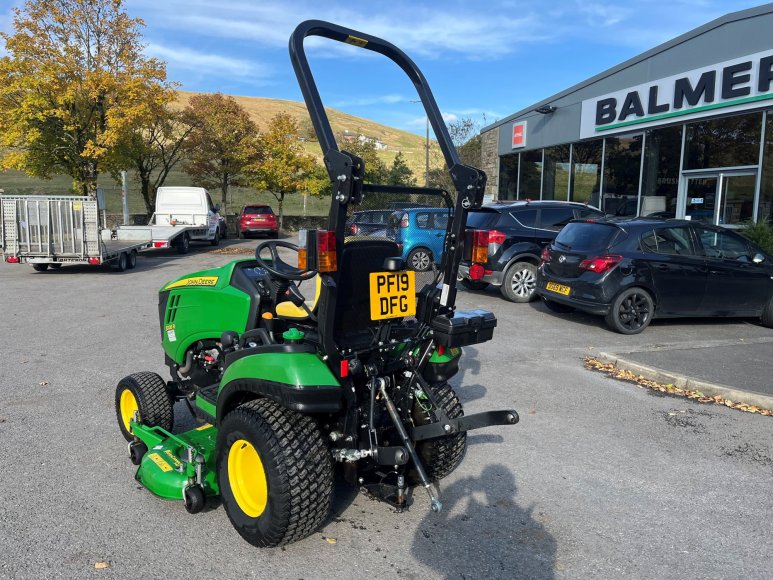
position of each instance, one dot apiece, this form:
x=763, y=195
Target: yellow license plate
x=559, y=288
x=392, y=294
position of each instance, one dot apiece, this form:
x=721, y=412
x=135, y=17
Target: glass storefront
x=622, y=166
x=585, y=185
x=555, y=181
x=708, y=170
x=660, y=178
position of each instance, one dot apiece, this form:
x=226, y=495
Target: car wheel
x=275, y=473
x=557, y=307
x=519, y=282
x=183, y=243
x=631, y=311
x=420, y=259
x=216, y=240
x=473, y=284
x=767, y=314
x=121, y=263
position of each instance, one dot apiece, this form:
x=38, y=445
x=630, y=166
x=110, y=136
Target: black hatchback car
x=634, y=270
x=518, y=230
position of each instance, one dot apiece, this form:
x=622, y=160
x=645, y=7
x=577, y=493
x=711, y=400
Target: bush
x=761, y=233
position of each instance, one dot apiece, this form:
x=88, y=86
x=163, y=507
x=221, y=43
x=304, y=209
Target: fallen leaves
x=330, y=540
x=234, y=250
x=102, y=565
x=610, y=369
x=43, y=383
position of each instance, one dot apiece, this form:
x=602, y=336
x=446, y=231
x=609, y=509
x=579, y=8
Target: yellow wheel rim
x=128, y=406
x=247, y=478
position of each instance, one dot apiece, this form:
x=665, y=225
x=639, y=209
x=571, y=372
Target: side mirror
x=217, y=208
x=758, y=258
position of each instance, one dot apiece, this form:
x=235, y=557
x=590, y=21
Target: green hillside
x=261, y=110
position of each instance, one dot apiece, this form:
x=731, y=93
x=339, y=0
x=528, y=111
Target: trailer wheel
x=40, y=267
x=183, y=243
x=131, y=263
x=275, y=473
x=121, y=262
x=146, y=394
x=440, y=456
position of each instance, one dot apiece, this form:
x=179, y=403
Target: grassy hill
x=261, y=110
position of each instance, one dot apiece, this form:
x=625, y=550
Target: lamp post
x=426, y=150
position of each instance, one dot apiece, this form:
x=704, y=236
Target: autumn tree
x=73, y=79
x=223, y=142
x=464, y=135
x=153, y=148
x=399, y=173
x=284, y=167
x=376, y=170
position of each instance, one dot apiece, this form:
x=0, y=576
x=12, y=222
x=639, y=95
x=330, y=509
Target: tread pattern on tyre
x=507, y=285
x=305, y=468
x=155, y=405
x=767, y=314
x=442, y=456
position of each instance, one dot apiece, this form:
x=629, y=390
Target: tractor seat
x=290, y=311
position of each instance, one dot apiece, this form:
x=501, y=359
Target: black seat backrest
x=358, y=260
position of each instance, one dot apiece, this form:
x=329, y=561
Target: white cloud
x=374, y=100
x=203, y=63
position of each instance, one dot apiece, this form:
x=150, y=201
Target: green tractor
x=288, y=382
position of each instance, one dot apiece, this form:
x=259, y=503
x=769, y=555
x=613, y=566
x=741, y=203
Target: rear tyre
x=40, y=267
x=473, y=284
x=216, y=240
x=131, y=263
x=146, y=394
x=275, y=473
x=419, y=259
x=55, y=266
x=121, y=263
x=631, y=311
x=439, y=456
x=557, y=307
x=520, y=282
x=183, y=244
x=767, y=314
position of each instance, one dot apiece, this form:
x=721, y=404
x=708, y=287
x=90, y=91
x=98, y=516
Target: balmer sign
x=734, y=85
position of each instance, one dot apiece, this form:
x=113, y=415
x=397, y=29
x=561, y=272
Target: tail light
x=12, y=259
x=317, y=251
x=353, y=229
x=160, y=244
x=94, y=261
x=476, y=272
x=545, y=255
x=404, y=221
x=476, y=246
x=495, y=241
x=601, y=264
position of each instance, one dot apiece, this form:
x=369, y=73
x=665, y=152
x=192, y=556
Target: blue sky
x=484, y=60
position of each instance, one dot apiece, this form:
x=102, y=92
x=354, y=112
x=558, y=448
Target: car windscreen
x=586, y=236
x=257, y=209
x=482, y=220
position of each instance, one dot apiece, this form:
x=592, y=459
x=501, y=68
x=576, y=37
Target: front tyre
x=631, y=312
x=439, y=456
x=767, y=314
x=146, y=394
x=275, y=473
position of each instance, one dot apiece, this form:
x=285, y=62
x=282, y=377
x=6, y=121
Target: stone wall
x=489, y=160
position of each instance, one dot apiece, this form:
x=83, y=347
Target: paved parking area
x=600, y=479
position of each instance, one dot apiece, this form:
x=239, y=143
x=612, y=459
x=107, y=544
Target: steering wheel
x=279, y=267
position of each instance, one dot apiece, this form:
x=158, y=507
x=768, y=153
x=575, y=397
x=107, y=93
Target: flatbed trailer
x=50, y=231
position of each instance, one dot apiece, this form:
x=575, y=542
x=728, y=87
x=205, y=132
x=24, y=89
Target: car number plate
x=392, y=294
x=559, y=288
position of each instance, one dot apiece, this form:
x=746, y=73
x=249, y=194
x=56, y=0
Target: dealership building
x=684, y=130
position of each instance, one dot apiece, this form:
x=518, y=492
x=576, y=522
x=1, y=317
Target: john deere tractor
x=339, y=360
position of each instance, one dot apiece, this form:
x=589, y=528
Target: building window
x=586, y=172
x=508, y=177
x=660, y=181
x=531, y=174
x=765, y=210
x=622, y=166
x=724, y=142
x=555, y=183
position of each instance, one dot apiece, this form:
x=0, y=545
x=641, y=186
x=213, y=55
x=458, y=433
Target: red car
x=258, y=219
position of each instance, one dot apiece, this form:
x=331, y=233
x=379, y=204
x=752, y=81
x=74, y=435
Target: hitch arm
x=448, y=426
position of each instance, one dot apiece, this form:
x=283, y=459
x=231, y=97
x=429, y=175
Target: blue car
x=421, y=232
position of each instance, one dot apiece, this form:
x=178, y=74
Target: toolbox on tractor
x=339, y=363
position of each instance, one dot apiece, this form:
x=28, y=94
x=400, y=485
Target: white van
x=187, y=206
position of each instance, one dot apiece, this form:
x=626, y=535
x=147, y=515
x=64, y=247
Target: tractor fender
x=300, y=381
